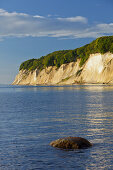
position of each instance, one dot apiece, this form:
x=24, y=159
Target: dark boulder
x=71, y=143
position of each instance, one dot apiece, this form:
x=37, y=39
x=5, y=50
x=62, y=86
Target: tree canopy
x=57, y=58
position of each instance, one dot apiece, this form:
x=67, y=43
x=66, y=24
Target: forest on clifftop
x=100, y=45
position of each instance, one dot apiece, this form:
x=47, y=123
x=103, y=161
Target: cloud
x=7, y=14
x=38, y=16
x=105, y=28
x=74, y=19
x=13, y=24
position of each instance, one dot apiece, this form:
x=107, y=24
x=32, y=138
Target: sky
x=33, y=28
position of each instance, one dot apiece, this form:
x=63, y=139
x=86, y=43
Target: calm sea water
x=31, y=117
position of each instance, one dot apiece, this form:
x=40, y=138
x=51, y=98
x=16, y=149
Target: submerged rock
x=71, y=143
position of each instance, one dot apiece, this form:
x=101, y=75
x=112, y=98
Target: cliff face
x=97, y=69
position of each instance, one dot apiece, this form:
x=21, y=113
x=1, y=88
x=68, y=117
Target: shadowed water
x=31, y=117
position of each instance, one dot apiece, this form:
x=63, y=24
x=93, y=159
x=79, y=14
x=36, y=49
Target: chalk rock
x=71, y=143
x=97, y=69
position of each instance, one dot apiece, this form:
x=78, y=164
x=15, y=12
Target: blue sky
x=34, y=28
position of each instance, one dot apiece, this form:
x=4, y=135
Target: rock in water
x=71, y=143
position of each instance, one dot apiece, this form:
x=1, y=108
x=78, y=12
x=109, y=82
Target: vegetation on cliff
x=57, y=58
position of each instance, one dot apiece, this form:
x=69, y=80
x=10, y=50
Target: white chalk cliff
x=97, y=69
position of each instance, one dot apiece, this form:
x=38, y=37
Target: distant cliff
x=92, y=63
x=97, y=69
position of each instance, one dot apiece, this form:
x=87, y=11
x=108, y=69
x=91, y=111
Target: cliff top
x=57, y=58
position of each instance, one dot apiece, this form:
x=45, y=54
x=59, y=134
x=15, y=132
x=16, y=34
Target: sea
x=33, y=116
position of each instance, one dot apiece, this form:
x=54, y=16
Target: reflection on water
x=92, y=87
x=31, y=117
x=100, y=120
x=74, y=87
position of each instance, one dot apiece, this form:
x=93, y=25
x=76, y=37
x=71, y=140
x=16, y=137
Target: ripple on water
x=30, y=118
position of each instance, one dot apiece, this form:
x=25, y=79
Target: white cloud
x=74, y=19
x=38, y=16
x=13, y=24
x=7, y=14
x=106, y=28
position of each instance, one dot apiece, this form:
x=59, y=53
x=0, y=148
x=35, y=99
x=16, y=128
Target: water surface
x=31, y=117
